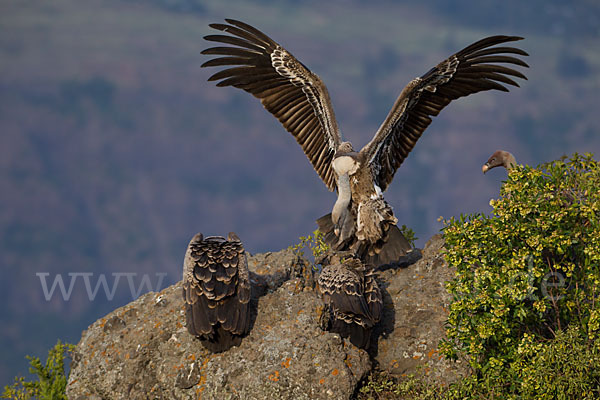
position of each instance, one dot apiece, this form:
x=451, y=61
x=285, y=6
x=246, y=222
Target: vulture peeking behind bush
x=500, y=158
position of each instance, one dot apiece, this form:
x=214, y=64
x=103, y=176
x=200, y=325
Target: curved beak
x=485, y=168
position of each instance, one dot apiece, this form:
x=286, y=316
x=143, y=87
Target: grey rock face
x=143, y=350
x=415, y=304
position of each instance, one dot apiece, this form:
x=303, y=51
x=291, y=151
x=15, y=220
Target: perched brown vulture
x=361, y=220
x=216, y=291
x=499, y=158
x=352, y=298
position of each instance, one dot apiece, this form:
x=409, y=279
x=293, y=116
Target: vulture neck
x=340, y=208
x=509, y=161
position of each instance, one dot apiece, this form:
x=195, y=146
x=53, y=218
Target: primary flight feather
x=361, y=219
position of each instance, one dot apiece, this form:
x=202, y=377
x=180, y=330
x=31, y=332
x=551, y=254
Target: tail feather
x=220, y=340
x=385, y=252
x=326, y=227
x=358, y=335
x=394, y=247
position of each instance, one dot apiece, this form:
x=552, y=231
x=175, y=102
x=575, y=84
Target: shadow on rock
x=387, y=322
x=404, y=261
x=388, y=318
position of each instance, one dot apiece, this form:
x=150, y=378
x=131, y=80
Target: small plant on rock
x=409, y=234
x=315, y=243
x=52, y=381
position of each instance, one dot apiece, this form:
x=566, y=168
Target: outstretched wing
x=474, y=69
x=286, y=88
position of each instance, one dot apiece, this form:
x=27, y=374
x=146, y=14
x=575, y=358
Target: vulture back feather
x=216, y=291
x=353, y=303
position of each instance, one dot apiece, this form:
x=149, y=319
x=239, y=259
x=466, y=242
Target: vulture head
x=343, y=148
x=499, y=158
x=345, y=160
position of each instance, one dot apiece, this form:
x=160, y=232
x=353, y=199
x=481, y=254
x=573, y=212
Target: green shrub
x=380, y=385
x=526, y=295
x=409, y=234
x=567, y=367
x=315, y=243
x=52, y=381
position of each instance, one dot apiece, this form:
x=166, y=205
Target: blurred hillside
x=114, y=150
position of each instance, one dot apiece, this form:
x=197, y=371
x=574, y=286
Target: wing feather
x=471, y=70
x=216, y=286
x=287, y=89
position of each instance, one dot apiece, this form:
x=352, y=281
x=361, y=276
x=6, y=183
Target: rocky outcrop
x=415, y=310
x=143, y=350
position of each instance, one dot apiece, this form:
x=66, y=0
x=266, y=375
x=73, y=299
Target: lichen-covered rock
x=143, y=350
x=415, y=311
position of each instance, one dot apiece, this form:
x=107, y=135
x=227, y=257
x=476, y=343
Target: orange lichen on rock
x=286, y=362
x=335, y=372
x=274, y=376
x=202, y=380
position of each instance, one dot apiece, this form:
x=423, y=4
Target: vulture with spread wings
x=361, y=220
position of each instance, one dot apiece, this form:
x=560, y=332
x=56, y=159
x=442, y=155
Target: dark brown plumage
x=352, y=298
x=216, y=291
x=361, y=220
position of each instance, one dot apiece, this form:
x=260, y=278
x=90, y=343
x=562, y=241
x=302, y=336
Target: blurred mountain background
x=114, y=150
